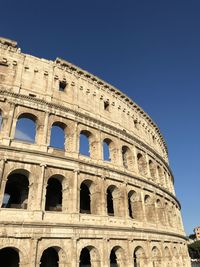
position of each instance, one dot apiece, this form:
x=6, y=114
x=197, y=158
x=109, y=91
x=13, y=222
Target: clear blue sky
x=148, y=49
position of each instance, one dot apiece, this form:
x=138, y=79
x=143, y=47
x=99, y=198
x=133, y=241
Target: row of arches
x=90, y=257
x=27, y=127
x=138, y=205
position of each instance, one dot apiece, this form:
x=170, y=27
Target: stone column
x=103, y=196
x=76, y=192
x=126, y=208
x=39, y=205
x=9, y=125
x=33, y=252
x=43, y=142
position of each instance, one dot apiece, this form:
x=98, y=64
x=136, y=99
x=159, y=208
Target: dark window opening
x=106, y=105
x=62, y=86
x=16, y=192
x=130, y=207
x=57, y=137
x=85, y=258
x=125, y=156
x=49, y=258
x=25, y=129
x=106, y=150
x=84, y=144
x=113, y=259
x=85, y=199
x=9, y=257
x=110, y=206
x=54, y=195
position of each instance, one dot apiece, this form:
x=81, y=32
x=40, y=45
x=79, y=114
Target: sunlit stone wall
x=109, y=202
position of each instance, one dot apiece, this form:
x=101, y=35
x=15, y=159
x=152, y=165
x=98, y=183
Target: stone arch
x=133, y=201
x=85, y=196
x=142, y=165
x=127, y=158
x=109, y=150
x=52, y=256
x=176, y=257
x=89, y=257
x=9, y=257
x=160, y=175
x=21, y=255
x=117, y=257
x=156, y=257
x=149, y=208
x=54, y=193
x=160, y=212
x=84, y=144
x=139, y=257
x=58, y=135
x=167, y=257
x=113, y=201
x=152, y=169
x=16, y=189
x=26, y=127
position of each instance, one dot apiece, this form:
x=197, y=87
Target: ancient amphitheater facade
x=111, y=204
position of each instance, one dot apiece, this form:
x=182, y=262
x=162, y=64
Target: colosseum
x=84, y=172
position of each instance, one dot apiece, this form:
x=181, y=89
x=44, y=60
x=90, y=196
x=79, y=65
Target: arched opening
x=168, y=257
x=139, y=257
x=141, y=164
x=85, y=201
x=131, y=200
x=9, y=257
x=16, y=191
x=85, y=260
x=113, y=259
x=117, y=257
x=156, y=257
x=57, y=136
x=149, y=209
x=106, y=149
x=152, y=169
x=126, y=157
x=84, y=143
x=26, y=128
x=110, y=204
x=54, y=195
x=160, y=175
x=49, y=258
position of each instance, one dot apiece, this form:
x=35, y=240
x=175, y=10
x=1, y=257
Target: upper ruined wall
x=83, y=92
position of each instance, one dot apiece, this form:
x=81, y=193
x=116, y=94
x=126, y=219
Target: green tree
x=194, y=250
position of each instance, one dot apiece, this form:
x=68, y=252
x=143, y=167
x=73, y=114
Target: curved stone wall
x=86, y=210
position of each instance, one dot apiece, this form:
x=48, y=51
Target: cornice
x=91, y=227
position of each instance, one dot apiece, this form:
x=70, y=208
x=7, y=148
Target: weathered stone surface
x=143, y=226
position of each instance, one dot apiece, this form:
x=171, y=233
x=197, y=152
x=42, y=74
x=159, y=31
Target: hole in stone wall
x=106, y=150
x=49, y=258
x=16, y=192
x=113, y=259
x=9, y=257
x=26, y=128
x=85, y=205
x=57, y=136
x=54, y=195
x=106, y=105
x=110, y=204
x=85, y=260
x=84, y=143
x=62, y=86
